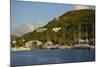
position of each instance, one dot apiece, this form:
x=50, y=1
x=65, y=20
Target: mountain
x=23, y=29
x=13, y=38
x=66, y=27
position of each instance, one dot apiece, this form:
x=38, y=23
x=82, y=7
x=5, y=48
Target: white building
x=56, y=29
x=30, y=43
x=41, y=29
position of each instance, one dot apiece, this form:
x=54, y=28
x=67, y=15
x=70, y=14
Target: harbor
x=51, y=56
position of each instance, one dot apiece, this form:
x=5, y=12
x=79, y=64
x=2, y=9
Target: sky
x=36, y=14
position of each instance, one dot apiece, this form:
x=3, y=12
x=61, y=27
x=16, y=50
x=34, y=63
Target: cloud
x=77, y=7
x=25, y=28
x=39, y=24
x=20, y=30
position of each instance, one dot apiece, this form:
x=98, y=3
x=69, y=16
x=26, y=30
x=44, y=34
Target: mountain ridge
x=69, y=23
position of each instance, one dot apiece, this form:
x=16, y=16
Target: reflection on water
x=50, y=56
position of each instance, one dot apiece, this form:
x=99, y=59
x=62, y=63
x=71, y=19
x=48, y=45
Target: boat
x=81, y=46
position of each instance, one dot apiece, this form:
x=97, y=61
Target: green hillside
x=72, y=24
x=13, y=38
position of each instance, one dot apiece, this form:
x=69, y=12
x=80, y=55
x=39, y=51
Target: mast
x=79, y=32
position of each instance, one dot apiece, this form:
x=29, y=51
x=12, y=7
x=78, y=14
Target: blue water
x=51, y=56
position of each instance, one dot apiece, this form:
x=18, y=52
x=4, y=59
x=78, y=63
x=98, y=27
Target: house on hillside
x=30, y=43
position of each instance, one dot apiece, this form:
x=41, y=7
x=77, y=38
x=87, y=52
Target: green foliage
x=69, y=23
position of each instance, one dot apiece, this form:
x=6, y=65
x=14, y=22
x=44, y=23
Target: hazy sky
x=36, y=13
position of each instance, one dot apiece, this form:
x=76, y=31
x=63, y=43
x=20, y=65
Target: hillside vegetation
x=71, y=25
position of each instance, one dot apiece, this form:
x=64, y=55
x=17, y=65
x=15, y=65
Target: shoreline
x=28, y=49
